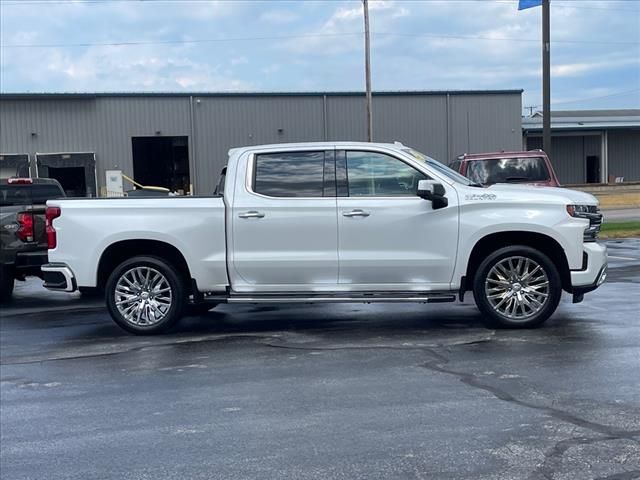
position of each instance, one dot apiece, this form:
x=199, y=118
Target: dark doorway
x=593, y=169
x=72, y=180
x=162, y=162
x=14, y=165
x=76, y=172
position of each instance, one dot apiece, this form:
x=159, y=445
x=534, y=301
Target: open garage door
x=76, y=172
x=14, y=165
x=162, y=162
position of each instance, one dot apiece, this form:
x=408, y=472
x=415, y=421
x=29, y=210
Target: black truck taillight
x=51, y=214
x=25, y=230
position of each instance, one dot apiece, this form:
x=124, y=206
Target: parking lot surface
x=324, y=391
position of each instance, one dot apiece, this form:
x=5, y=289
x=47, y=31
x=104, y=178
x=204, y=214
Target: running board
x=339, y=297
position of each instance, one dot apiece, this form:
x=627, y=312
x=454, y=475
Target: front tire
x=145, y=295
x=517, y=287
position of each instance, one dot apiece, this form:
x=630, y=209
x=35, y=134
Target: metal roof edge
x=382, y=93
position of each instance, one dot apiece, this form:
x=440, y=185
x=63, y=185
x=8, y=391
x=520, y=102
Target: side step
x=339, y=297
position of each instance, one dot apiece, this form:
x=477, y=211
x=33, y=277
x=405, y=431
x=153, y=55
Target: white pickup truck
x=330, y=222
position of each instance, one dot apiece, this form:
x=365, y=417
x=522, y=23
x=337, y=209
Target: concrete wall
x=442, y=125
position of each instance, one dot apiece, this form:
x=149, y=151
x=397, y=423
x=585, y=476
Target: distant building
x=180, y=141
x=590, y=146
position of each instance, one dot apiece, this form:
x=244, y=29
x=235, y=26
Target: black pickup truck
x=23, y=235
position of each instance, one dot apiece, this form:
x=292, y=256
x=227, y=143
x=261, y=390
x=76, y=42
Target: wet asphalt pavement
x=324, y=392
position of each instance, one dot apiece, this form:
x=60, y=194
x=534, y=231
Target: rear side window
x=28, y=194
x=289, y=174
x=508, y=170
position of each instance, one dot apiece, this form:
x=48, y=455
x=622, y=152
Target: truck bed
x=193, y=225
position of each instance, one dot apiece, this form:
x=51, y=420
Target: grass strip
x=620, y=230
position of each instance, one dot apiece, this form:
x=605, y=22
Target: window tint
x=290, y=174
x=28, y=194
x=455, y=165
x=42, y=193
x=504, y=170
x=377, y=175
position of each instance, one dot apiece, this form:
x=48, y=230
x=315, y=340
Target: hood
x=543, y=194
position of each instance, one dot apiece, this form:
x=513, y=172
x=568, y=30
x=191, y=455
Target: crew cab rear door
x=389, y=238
x=284, y=222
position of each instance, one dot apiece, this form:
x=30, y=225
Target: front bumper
x=594, y=271
x=58, y=276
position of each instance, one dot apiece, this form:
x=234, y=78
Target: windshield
x=439, y=167
x=508, y=170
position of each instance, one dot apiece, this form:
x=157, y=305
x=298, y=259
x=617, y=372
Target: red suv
x=532, y=167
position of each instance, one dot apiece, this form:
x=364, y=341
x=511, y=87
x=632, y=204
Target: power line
x=617, y=94
x=563, y=4
x=309, y=35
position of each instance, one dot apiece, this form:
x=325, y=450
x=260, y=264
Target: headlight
x=591, y=213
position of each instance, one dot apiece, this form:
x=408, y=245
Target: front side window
x=373, y=174
x=508, y=170
x=289, y=174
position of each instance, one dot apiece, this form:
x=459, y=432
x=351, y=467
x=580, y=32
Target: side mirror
x=434, y=192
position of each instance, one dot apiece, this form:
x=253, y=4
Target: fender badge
x=484, y=196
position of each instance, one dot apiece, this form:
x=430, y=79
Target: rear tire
x=145, y=295
x=6, y=283
x=517, y=287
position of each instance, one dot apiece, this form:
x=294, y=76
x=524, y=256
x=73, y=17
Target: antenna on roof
x=398, y=144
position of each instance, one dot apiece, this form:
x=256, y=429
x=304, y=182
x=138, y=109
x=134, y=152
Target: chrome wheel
x=517, y=288
x=143, y=296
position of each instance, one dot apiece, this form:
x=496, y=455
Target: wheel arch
x=118, y=252
x=539, y=241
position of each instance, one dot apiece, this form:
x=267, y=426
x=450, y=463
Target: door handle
x=356, y=213
x=251, y=214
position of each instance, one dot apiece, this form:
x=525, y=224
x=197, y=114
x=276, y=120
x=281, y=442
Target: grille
x=595, y=224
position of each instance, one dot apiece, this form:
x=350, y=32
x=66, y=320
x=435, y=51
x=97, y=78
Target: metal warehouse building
x=590, y=146
x=181, y=141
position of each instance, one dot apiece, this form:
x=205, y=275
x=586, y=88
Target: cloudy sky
x=206, y=45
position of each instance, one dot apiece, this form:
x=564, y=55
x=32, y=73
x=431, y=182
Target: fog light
x=603, y=276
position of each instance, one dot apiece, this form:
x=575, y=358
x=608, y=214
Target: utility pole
x=546, y=78
x=367, y=69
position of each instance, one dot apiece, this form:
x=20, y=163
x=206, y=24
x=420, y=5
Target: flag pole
x=367, y=70
x=546, y=78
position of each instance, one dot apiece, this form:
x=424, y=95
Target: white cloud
x=239, y=61
x=327, y=51
x=279, y=17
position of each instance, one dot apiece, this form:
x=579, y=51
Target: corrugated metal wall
x=568, y=156
x=440, y=125
x=222, y=123
x=624, y=155
x=570, y=152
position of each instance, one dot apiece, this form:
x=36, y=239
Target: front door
x=285, y=232
x=389, y=238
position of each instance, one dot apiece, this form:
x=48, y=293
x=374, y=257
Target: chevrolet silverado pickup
x=330, y=222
